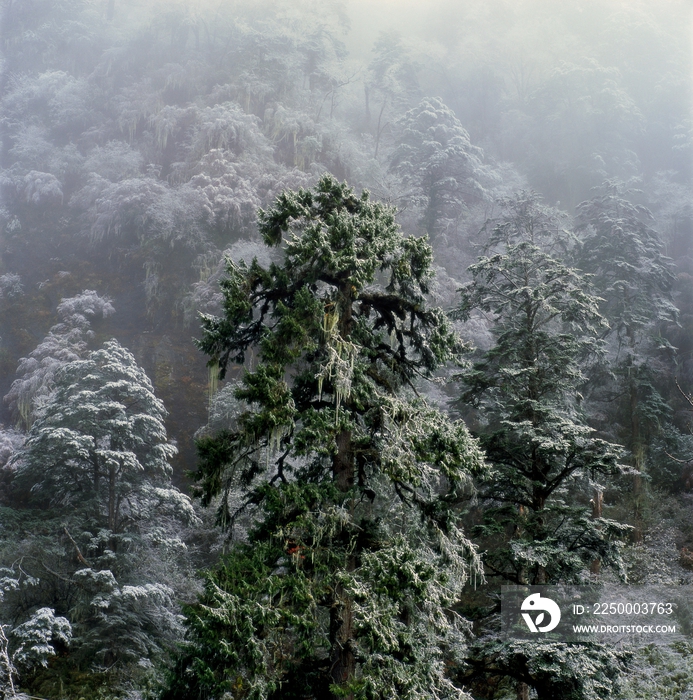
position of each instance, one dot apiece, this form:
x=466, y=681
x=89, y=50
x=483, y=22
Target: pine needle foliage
x=537, y=525
x=622, y=250
x=546, y=323
x=355, y=553
x=99, y=445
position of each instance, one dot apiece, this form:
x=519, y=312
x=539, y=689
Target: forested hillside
x=322, y=320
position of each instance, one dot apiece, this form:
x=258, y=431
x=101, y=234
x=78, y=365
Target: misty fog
x=541, y=148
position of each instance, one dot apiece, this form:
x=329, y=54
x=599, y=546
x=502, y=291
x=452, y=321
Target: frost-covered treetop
x=66, y=341
x=99, y=443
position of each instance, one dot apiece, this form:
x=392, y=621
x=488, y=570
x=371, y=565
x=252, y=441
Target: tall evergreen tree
x=537, y=528
x=355, y=552
x=624, y=253
x=66, y=341
x=96, y=464
x=99, y=444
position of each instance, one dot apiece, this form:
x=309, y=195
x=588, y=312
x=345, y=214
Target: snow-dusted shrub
x=41, y=188
x=36, y=637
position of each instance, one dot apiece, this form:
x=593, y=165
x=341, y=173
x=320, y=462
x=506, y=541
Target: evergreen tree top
x=350, y=251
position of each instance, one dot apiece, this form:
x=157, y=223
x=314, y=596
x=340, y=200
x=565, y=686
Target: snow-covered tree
x=538, y=525
x=66, y=341
x=99, y=444
x=10, y=441
x=624, y=252
x=355, y=552
x=444, y=172
x=546, y=324
x=96, y=459
x=37, y=636
x=29, y=643
x=10, y=286
x=622, y=249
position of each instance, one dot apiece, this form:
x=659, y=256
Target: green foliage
x=99, y=443
x=545, y=326
x=139, y=141
x=121, y=606
x=570, y=671
x=96, y=461
x=355, y=552
x=526, y=388
x=37, y=636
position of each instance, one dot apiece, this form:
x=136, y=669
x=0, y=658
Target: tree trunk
x=96, y=481
x=343, y=661
x=342, y=658
x=522, y=691
x=597, y=503
x=112, y=499
x=343, y=462
x=637, y=460
x=538, y=506
x=635, y=437
x=7, y=670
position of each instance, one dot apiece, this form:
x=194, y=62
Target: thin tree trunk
x=8, y=670
x=517, y=534
x=538, y=505
x=341, y=632
x=112, y=499
x=635, y=437
x=597, y=503
x=342, y=658
x=96, y=481
x=343, y=661
x=637, y=456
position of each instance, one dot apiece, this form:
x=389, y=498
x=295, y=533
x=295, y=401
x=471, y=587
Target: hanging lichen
x=213, y=382
x=24, y=409
x=274, y=442
x=341, y=356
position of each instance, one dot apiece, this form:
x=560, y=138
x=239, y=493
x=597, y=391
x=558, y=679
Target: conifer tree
x=66, y=341
x=537, y=522
x=445, y=172
x=95, y=462
x=355, y=552
x=99, y=446
x=624, y=253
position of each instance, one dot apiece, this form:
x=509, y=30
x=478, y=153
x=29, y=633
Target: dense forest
x=322, y=320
